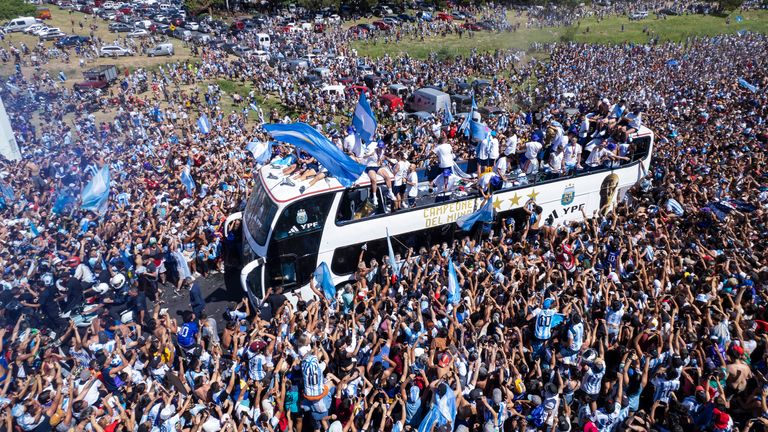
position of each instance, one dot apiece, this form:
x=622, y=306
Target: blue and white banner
x=454, y=290
x=305, y=137
x=744, y=83
x=483, y=214
x=261, y=151
x=478, y=131
x=188, y=181
x=204, y=125
x=95, y=195
x=323, y=278
x=363, y=120
x=395, y=265
x=442, y=411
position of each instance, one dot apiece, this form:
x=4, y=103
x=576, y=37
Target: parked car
x=391, y=21
x=20, y=24
x=114, y=51
x=405, y=17
x=34, y=28
x=472, y=26
x=163, y=49
x=138, y=33
x=118, y=27
x=442, y=16
x=72, y=40
x=392, y=103
x=381, y=25
x=52, y=34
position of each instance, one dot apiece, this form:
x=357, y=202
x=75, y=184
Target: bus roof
x=282, y=191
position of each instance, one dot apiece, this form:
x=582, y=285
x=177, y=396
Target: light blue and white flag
x=483, y=214
x=447, y=116
x=253, y=106
x=739, y=18
x=442, y=411
x=744, y=83
x=478, y=131
x=454, y=290
x=204, y=125
x=303, y=136
x=261, y=151
x=363, y=119
x=95, y=195
x=187, y=180
x=323, y=278
x=395, y=265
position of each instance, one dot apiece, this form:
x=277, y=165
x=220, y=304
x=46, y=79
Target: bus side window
x=356, y=204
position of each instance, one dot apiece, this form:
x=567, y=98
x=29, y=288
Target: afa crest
x=569, y=194
x=301, y=217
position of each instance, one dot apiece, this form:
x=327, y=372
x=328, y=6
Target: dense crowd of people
x=650, y=316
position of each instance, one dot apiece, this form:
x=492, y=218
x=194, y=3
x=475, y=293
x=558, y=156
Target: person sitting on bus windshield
x=445, y=184
x=372, y=155
x=602, y=155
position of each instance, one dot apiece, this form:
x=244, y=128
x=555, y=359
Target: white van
x=263, y=41
x=164, y=49
x=335, y=90
x=19, y=24
x=429, y=100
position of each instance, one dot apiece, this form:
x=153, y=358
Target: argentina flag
x=483, y=214
x=363, y=120
x=395, y=265
x=454, y=290
x=95, y=195
x=305, y=137
x=323, y=277
x=188, y=181
x=204, y=125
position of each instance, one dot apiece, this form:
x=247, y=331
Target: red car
x=442, y=16
x=381, y=25
x=127, y=10
x=357, y=89
x=472, y=26
x=391, y=102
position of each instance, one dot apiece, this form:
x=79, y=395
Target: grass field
x=608, y=31
x=63, y=20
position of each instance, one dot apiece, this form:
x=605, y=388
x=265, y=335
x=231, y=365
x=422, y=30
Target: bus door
x=232, y=251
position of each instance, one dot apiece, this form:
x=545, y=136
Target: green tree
x=197, y=7
x=10, y=9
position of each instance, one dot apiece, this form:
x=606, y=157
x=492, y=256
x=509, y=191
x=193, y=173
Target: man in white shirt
x=572, y=156
x=445, y=184
x=530, y=152
x=412, y=188
x=444, y=153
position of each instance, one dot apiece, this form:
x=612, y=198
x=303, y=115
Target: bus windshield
x=259, y=213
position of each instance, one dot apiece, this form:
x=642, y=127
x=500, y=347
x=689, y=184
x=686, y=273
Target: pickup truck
x=98, y=78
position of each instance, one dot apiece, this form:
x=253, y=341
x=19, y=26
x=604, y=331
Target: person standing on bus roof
x=412, y=190
x=445, y=184
x=444, y=153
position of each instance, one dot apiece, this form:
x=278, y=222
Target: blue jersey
x=546, y=319
x=187, y=334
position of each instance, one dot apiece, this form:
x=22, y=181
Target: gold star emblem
x=533, y=194
x=515, y=200
x=497, y=204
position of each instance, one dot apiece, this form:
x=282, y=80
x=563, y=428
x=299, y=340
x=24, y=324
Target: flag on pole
x=454, y=290
x=187, y=180
x=33, y=229
x=203, y=125
x=253, y=106
x=483, y=214
x=479, y=131
x=465, y=125
x=95, y=195
x=447, y=116
x=395, y=265
x=305, y=137
x=363, y=119
x=323, y=278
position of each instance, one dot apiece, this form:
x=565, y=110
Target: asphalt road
x=216, y=296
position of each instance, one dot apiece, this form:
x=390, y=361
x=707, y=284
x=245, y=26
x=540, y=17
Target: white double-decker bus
x=289, y=230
